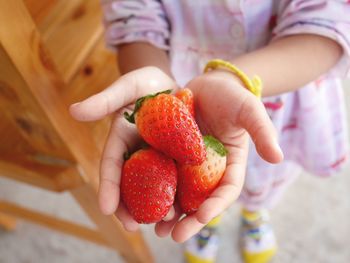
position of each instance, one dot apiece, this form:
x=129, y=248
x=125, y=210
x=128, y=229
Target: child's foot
x=258, y=242
x=203, y=247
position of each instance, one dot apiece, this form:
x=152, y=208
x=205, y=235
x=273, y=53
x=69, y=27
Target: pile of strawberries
x=179, y=163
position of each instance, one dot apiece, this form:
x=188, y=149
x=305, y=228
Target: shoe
x=203, y=247
x=258, y=241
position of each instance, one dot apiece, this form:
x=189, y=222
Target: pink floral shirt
x=310, y=121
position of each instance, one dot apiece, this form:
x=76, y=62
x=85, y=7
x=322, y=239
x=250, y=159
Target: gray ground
x=311, y=224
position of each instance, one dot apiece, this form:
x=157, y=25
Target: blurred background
x=311, y=222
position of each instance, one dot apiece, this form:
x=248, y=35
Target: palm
x=224, y=109
x=218, y=120
x=123, y=136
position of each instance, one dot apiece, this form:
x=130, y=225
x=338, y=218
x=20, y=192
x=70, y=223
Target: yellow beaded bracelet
x=254, y=85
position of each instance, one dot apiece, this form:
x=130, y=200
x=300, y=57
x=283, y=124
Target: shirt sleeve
x=129, y=21
x=329, y=18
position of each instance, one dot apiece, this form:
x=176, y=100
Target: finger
x=227, y=192
x=164, y=228
x=229, y=189
x=253, y=117
x=170, y=214
x=120, y=93
x=126, y=219
x=108, y=195
x=124, y=91
x=230, y=185
x=186, y=228
x=122, y=137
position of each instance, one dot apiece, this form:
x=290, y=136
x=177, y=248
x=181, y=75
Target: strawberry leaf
x=138, y=104
x=215, y=144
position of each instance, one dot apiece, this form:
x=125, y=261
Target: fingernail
x=278, y=147
x=170, y=214
x=75, y=104
x=131, y=227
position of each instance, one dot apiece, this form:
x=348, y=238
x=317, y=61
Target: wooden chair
x=52, y=54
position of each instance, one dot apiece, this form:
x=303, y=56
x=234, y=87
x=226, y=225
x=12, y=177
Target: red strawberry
x=186, y=96
x=197, y=182
x=148, y=185
x=165, y=123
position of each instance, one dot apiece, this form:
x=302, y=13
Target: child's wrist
x=225, y=76
x=254, y=84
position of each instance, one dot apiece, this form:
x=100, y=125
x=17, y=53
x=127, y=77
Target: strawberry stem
x=139, y=102
x=126, y=155
x=215, y=144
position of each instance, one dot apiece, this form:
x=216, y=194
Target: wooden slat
x=21, y=162
x=39, y=9
x=70, y=32
x=99, y=71
x=52, y=223
x=7, y=222
x=38, y=85
x=27, y=136
x=14, y=171
x=41, y=164
x=53, y=20
x=69, y=179
x=23, y=110
x=49, y=177
x=10, y=138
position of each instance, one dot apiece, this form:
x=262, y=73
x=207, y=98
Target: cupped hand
x=224, y=109
x=229, y=112
x=123, y=136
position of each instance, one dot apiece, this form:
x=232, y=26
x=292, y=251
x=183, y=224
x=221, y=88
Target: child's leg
x=263, y=189
x=203, y=247
x=264, y=186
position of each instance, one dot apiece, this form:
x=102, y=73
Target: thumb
x=126, y=90
x=105, y=102
x=253, y=117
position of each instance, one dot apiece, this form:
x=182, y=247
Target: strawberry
x=165, y=123
x=186, y=96
x=197, y=182
x=148, y=185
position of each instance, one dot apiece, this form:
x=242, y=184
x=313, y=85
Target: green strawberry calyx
x=215, y=144
x=139, y=102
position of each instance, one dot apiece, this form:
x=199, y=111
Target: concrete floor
x=312, y=225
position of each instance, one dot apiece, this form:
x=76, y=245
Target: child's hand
x=123, y=136
x=226, y=110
